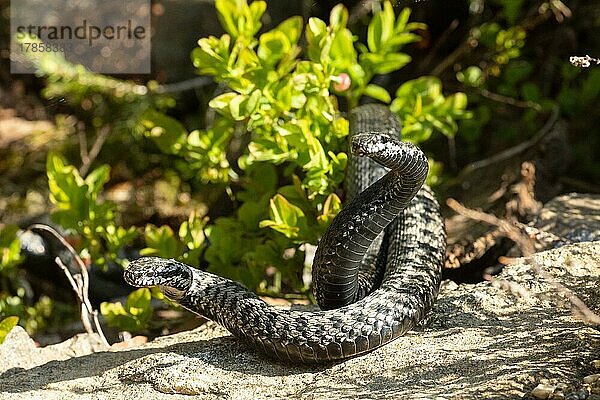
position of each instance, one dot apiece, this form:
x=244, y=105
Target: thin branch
x=580, y=309
x=460, y=51
x=452, y=153
x=93, y=153
x=182, y=86
x=512, y=287
x=505, y=226
x=510, y=152
x=441, y=41
x=83, y=151
x=79, y=283
x=509, y=100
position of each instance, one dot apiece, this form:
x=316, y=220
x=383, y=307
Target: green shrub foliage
x=282, y=102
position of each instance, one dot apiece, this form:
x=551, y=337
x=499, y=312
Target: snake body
x=372, y=286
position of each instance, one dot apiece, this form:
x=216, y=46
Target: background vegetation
x=239, y=173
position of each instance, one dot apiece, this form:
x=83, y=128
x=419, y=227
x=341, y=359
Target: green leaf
x=316, y=32
x=331, y=208
x=118, y=237
x=227, y=12
x=236, y=106
x=378, y=93
x=221, y=102
x=138, y=299
x=212, y=55
x=391, y=62
x=296, y=195
x=77, y=204
x=238, y=19
x=97, y=178
x=6, y=326
x=374, y=33
x=590, y=89
x=64, y=181
x=161, y=242
x=402, y=20
x=291, y=28
x=268, y=150
x=341, y=127
x=273, y=45
x=517, y=71
x=387, y=26
x=531, y=92
x=338, y=18
x=10, y=248
x=457, y=102
x=261, y=179
x=134, y=315
x=286, y=218
x=381, y=28
x=422, y=108
x=191, y=232
x=342, y=48
x=168, y=133
x=251, y=212
x=227, y=244
x=337, y=166
x=511, y=9
x=401, y=39
x=256, y=10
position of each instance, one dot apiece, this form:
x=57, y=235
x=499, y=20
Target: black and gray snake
x=376, y=271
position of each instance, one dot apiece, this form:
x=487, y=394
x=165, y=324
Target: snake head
x=367, y=144
x=172, y=277
x=391, y=152
x=376, y=145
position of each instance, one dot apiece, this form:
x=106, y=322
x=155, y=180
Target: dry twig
x=79, y=282
x=88, y=157
x=509, y=100
x=526, y=244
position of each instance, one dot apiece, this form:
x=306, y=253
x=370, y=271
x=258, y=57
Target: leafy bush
x=10, y=246
x=79, y=209
x=285, y=110
x=12, y=296
x=132, y=316
x=286, y=106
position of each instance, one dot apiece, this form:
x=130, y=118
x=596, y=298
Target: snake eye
x=355, y=149
x=360, y=144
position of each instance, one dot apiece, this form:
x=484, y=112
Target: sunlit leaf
x=6, y=326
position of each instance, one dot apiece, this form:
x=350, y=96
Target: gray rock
x=543, y=391
x=573, y=217
x=19, y=352
x=481, y=341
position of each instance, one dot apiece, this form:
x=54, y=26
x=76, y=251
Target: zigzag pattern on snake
x=372, y=286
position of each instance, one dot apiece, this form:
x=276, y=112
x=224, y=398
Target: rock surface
x=572, y=217
x=481, y=341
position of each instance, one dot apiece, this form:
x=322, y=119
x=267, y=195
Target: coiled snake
x=371, y=286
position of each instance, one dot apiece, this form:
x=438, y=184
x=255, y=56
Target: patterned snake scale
x=376, y=271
